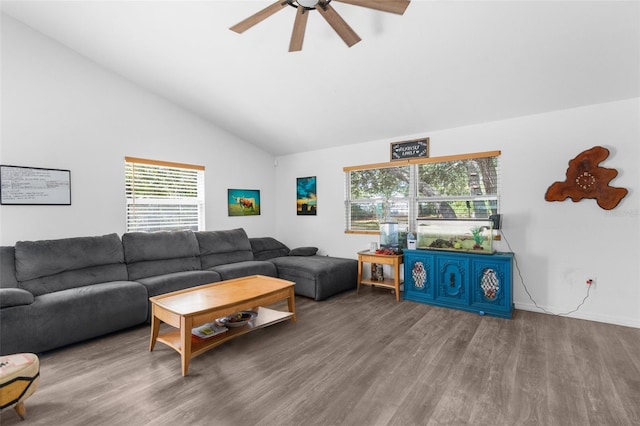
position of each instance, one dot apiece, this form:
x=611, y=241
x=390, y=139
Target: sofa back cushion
x=265, y=248
x=150, y=254
x=52, y=265
x=223, y=247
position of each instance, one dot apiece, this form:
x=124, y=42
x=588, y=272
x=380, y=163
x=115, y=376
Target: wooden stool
x=19, y=376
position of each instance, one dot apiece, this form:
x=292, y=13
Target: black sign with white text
x=418, y=148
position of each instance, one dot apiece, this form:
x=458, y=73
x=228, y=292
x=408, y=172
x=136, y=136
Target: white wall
x=60, y=110
x=556, y=244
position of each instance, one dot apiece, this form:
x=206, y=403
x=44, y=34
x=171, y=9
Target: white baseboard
x=627, y=322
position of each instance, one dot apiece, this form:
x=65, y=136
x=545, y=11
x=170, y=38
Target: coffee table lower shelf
x=265, y=318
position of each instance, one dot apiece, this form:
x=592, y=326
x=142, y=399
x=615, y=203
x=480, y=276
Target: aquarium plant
x=477, y=237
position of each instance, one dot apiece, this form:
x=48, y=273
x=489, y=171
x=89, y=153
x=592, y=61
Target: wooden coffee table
x=189, y=308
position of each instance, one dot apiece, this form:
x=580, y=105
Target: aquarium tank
x=471, y=235
x=389, y=235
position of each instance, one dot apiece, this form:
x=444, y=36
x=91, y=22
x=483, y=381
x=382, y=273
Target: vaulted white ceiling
x=443, y=64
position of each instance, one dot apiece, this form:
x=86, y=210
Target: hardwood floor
x=355, y=360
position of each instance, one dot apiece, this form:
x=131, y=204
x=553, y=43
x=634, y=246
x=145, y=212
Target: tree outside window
x=455, y=188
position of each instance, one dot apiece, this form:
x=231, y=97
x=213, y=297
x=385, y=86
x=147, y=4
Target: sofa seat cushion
x=244, y=269
x=69, y=316
x=149, y=254
x=318, y=277
x=167, y=283
x=223, y=247
x=78, y=278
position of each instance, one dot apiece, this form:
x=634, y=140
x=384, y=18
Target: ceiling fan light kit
x=307, y=3
x=304, y=7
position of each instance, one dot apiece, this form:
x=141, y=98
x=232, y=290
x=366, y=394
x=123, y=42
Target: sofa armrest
x=303, y=251
x=15, y=297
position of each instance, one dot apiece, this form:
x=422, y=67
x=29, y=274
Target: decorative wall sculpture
x=586, y=179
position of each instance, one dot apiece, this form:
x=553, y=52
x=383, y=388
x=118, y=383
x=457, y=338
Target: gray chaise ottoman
x=317, y=277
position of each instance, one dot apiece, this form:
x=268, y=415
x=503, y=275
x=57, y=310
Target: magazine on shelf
x=208, y=330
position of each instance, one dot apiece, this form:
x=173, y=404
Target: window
x=163, y=196
x=377, y=195
x=455, y=187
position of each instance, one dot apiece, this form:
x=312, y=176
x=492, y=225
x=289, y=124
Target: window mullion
x=413, y=194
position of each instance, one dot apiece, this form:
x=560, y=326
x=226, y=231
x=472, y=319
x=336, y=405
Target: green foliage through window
x=459, y=188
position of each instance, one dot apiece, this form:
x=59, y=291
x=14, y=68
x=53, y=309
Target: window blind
x=163, y=195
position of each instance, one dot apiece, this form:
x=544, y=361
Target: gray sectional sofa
x=57, y=292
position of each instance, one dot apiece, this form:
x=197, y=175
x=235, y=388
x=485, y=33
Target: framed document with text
x=34, y=186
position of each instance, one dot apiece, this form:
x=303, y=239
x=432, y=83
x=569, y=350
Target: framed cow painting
x=243, y=202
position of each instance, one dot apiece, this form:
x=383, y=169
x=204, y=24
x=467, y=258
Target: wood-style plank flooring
x=355, y=360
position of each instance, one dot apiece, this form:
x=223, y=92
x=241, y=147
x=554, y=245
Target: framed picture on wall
x=243, y=202
x=417, y=148
x=306, y=196
x=34, y=186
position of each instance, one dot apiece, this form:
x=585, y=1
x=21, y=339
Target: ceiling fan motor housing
x=308, y=4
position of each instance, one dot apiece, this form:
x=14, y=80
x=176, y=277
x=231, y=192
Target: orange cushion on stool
x=19, y=376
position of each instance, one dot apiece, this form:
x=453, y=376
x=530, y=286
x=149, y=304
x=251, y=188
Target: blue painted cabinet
x=452, y=276
x=472, y=282
x=419, y=276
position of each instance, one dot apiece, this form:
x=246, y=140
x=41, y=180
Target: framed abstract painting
x=306, y=196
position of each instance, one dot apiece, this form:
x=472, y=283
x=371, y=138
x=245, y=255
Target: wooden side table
x=395, y=260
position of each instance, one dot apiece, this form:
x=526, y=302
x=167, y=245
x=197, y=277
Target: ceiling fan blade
x=256, y=18
x=338, y=24
x=393, y=6
x=299, y=27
